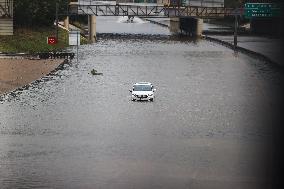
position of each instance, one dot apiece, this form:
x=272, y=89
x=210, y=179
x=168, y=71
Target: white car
x=142, y=91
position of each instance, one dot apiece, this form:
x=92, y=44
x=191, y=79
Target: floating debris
x=95, y=72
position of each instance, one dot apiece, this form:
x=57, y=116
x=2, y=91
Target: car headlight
x=150, y=94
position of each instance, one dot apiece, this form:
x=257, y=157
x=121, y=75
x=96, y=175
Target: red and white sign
x=51, y=40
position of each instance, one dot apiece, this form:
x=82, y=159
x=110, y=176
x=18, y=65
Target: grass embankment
x=33, y=40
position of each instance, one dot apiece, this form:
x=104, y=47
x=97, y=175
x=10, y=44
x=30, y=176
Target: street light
x=56, y=20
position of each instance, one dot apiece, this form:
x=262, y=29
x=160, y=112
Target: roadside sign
x=51, y=40
x=74, y=37
x=74, y=40
x=253, y=10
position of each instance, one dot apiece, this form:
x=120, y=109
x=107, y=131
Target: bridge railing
x=6, y=8
x=150, y=10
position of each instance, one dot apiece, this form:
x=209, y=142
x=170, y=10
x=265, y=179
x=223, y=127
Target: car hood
x=142, y=92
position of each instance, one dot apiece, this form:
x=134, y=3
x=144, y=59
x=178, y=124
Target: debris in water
x=95, y=72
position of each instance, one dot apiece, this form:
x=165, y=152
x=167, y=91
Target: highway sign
x=51, y=40
x=253, y=10
x=74, y=37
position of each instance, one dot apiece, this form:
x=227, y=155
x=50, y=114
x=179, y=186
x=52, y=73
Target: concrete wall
x=205, y=3
x=124, y=1
x=6, y=26
x=163, y=2
x=136, y=1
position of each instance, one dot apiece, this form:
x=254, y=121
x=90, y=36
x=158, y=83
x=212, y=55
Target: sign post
x=236, y=13
x=51, y=40
x=236, y=32
x=74, y=39
x=56, y=19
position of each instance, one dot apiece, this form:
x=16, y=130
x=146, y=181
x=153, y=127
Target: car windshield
x=142, y=88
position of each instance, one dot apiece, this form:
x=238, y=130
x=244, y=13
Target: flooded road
x=205, y=129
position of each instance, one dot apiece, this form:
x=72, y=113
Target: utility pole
x=236, y=31
x=78, y=33
x=56, y=21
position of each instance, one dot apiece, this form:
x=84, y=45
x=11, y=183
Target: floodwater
x=206, y=128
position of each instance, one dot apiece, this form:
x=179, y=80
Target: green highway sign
x=253, y=10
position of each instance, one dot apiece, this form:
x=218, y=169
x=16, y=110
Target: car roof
x=143, y=83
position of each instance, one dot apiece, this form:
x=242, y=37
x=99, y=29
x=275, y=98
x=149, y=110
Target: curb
x=45, y=55
x=158, y=23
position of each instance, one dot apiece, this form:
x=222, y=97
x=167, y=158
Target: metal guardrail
x=41, y=55
x=55, y=55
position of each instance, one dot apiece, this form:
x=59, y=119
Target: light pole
x=78, y=33
x=236, y=31
x=56, y=21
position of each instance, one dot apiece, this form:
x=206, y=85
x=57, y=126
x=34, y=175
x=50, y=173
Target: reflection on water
x=133, y=20
x=204, y=130
x=120, y=25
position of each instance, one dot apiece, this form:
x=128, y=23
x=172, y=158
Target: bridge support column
x=192, y=26
x=66, y=23
x=175, y=25
x=92, y=28
x=199, y=27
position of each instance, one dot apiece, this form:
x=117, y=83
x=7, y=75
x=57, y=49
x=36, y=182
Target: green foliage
x=234, y=3
x=34, y=13
x=34, y=40
x=30, y=41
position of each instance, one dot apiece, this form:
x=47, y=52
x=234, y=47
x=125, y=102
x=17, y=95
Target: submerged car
x=142, y=91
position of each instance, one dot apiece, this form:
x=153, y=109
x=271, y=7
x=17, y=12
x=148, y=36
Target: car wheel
x=133, y=99
x=151, y=99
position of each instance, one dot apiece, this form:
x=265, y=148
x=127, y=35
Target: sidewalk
x=15, y=73
x=269, y=47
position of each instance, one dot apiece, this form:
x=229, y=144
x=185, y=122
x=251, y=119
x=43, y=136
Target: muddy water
x=205, y=129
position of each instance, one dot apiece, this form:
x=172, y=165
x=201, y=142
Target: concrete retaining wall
x=6, y=26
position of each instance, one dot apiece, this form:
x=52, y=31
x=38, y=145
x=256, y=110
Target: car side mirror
x=130, y=90
x=154, y=90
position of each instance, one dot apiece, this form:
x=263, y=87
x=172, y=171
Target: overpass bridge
x=112, y=8
x=183, y=16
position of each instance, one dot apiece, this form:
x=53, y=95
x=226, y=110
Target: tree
x=34, y=13
x=234, y=3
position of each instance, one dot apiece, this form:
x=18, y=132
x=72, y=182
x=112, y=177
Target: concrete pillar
x=199, y=27
x=92, y=28
x=66, y=23
x=192, y=26
x=175, y=25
